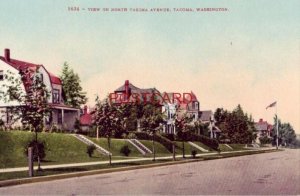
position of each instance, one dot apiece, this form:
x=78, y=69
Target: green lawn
x=187, y=148
x=64, y=148
x=116, y=145
x=238, y=146
x=224, y=148
x=160, y=150
x=61, y=148
x=203, y=146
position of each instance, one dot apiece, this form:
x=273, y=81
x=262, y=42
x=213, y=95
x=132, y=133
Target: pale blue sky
x=172, y=51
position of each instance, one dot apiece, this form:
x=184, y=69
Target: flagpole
x=277, y=128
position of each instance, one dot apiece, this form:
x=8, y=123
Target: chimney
x=7, y=54
x=85, y=110
x=126, y=89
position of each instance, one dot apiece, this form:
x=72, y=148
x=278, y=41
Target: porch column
x=62, y=117
x=174, y=129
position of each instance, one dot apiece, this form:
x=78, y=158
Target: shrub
x=39, y=148
x=143, y=136
x=124, y=136
x=90, y=149
x=193, y=153
x=125, y=150
x=131, y=136
x=168, y=136
x=265, y=140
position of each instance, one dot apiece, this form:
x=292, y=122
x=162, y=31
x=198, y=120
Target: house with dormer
x=172, y=104
x=61, y=116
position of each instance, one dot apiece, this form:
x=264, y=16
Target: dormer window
x=56, y=96
x=1, y=75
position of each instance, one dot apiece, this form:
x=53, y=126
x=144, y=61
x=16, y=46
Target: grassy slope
x=61, y=148
x=116, y=145
x=203, y=146
x=238, y=146
x=187, y=148
x=160, y=150
x=224, y=148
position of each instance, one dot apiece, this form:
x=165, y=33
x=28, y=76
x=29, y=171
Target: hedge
x=189, y=136
x=158, y=138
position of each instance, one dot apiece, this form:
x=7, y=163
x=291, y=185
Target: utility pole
x=277, y=126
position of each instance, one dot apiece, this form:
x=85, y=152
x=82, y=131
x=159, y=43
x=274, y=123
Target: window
x=56, y=96
x=1, y=75
x=195, y=105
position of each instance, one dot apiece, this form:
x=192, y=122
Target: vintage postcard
x=149, y=97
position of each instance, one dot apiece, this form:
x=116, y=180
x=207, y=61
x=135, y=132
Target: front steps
x=139, y=146
x=198, y=147
x=89, y=142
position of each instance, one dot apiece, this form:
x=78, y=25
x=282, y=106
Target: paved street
x=269, y=173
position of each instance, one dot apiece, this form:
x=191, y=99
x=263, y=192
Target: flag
x=271, y=105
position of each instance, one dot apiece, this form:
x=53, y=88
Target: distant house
x=128, y=93
x=207, y=117
x=62, y=116
x=85, y=120
x=263, y=129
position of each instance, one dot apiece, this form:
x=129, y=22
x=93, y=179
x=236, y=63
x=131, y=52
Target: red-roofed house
x=61, y=116
x=169, y=102
x=85, y=119
x=263, y=129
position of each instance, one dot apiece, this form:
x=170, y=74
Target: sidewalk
x=17, y=169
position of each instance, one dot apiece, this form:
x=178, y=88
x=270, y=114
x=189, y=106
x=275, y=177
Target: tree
x=182, y=126
x=286, y=133
x=72, y=90
x=151, y=122
x=236, y=126
x=32, y=108
x=105, y=117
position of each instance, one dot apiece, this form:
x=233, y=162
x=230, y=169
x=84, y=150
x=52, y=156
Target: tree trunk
x=37, y=149
x=97, y=133
x=183, y=150
x=109, y=156
x=138, y=125
x=174, y=153
x=153, y=148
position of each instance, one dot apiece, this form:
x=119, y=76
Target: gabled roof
x=131, y=86
x=22, y=65
x=262, y=125
x=138, y=91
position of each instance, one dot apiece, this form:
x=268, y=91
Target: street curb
x=111, y=170
x=86, y=173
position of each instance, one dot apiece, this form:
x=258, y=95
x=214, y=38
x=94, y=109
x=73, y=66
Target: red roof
x=262, y=125
x=86, y=118
x=54, y=79
x=22, y=65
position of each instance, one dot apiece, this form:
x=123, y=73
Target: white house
x=61, y=116
x=170, y=110
x=207, y=117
